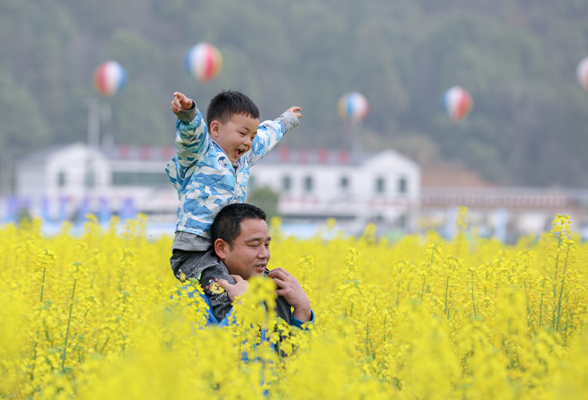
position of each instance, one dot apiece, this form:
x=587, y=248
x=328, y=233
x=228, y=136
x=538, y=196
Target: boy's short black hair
x=227, y=223
x=227, y=103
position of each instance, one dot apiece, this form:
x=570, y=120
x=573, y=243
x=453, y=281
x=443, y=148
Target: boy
x=211, y=170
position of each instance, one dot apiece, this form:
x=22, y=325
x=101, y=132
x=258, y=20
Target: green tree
x=266, y=199
x=516, y=57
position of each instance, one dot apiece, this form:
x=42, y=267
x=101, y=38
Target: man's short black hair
x=227, y=223
x=227, y=103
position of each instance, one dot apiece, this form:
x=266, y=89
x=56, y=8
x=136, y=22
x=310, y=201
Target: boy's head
x=225, y=104
x=232, y=120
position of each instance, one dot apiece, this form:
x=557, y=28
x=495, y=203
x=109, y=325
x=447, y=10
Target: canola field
x=101, y=316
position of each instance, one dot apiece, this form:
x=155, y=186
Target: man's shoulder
x=211, y=259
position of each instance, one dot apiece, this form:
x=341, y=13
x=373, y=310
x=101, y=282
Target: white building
x=60, y=181
x=382, y=187
x=67, y=182
x=312, y=185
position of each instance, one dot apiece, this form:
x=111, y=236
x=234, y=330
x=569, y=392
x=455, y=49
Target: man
x=241, y=239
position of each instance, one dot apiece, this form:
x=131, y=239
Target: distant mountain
x=517, y=59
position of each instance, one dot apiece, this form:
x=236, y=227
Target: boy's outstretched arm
x=270, y=133
x=190, y=138
x=296, y=111
x=181, y=102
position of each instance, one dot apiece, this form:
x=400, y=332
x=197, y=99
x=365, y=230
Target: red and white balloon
x=582, y=73
x=203, y=62
x=110, y=78
x=353, y=106
x=458, y=103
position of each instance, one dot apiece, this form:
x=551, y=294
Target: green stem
x=86, y=313
x=39, y=330
x=486, y=284
x=43, y=285
x=121, y=278
x=105, y=343
x=568, y=317
x=541, y=304
x=529, y=316
x=561, y=289
x=80, y=338
x=553, y=316
x=447, y=297
x=473, y=297
x=367, y=338
x=427, y=271
x=71, y=304
x=423, y=288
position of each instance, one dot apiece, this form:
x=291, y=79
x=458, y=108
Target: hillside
x=517, y=58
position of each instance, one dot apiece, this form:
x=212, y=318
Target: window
x=90, y=179
x=344, y=183
x=402, y=221
x=308, y=184
x=380, y=185
x=402, y=186
x=286, y=183
x=61, y=179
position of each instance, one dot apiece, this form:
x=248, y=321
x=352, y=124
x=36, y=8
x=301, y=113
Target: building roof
x=43, y=155
x=451, y=175
x=322, y=156
x=281, y=155
x=139, y=152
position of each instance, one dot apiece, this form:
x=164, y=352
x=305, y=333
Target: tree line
x=517, y=59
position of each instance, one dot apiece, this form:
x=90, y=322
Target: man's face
x=250, y=252
x=236, y=136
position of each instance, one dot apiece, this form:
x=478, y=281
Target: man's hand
x=180, y=102
x=239, y=288
x=296, y=111
x=290, y=289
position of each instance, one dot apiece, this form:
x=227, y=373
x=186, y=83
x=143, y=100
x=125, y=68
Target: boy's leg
x=207, y=269
x=184, y=263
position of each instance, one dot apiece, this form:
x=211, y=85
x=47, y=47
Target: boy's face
x=236, y=136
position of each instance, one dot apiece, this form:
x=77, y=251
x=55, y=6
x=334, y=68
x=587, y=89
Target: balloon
x=353, y=106
x=203, y=62
x=458, y=103
x=109, y=78
x=582, y=73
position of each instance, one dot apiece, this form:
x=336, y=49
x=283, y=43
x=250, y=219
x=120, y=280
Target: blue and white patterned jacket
x=202, y=172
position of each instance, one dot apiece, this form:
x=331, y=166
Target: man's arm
x=290, y=289
x=296, y=297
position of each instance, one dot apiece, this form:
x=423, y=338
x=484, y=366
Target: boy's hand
x=296, y=111
x=239, y=288
x=180, y=102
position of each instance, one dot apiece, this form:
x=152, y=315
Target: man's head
x=241, y=239
x=232, y=120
